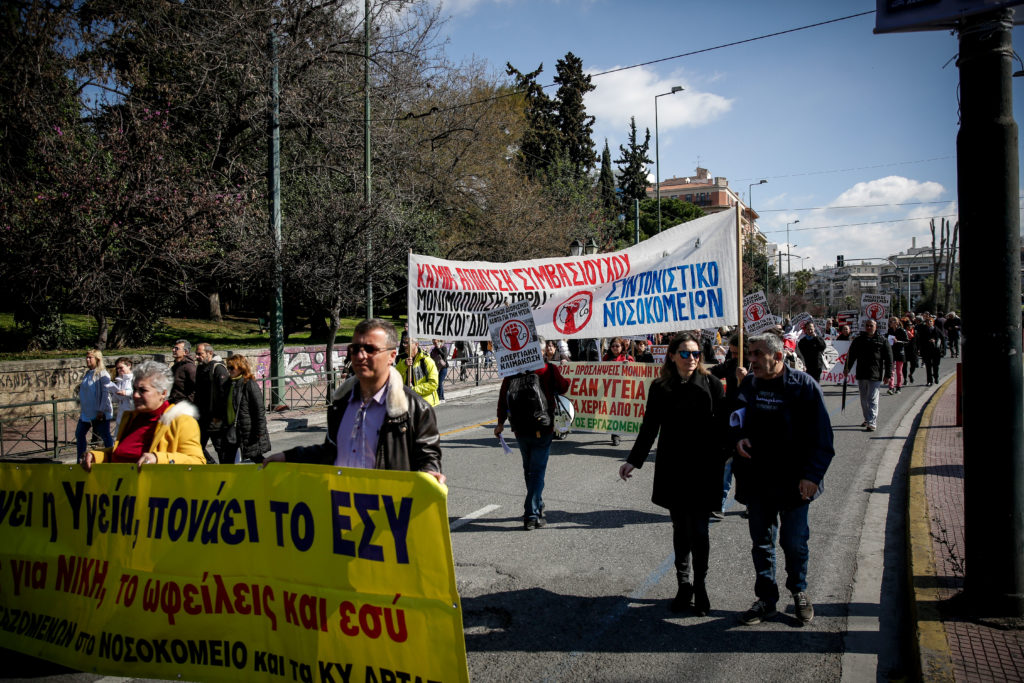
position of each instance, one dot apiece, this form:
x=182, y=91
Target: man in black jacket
x=211, y=391
x=375, y=421
x=184, y=371
x=811, y=347
x=873, y=356
x=929, y=343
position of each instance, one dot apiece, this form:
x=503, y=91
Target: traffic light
x=839, y=261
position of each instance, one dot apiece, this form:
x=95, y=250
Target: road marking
x=112, y=679
x=462, y=429
x=463, y=521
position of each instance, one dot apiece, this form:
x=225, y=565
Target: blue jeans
x=441, y=374
x=764, y=525
x=726, y=483
x=535, y=451
x=102, y=427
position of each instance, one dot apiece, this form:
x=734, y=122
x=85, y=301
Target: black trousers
x=691, y=542
x=931, y=364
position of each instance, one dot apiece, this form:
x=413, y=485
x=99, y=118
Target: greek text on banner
x=682, y=278
x=294, y=572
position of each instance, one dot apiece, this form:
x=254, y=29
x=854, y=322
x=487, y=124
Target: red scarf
x=138, y=436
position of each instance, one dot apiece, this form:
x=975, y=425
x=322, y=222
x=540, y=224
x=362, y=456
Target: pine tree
x=633, y=166
x=541, y=144
x=606, y=184
x=575, y=127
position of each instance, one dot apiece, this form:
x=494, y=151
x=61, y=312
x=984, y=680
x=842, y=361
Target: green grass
x=233, y=333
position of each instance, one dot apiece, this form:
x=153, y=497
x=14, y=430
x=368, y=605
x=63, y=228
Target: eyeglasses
x=689, y=354
x=369, y=349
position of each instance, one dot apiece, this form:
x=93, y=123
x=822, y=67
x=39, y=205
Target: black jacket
x=211, y=387
x=795, y=444
x=408, y=439
x=928, y=340
x=899, y=349
x=184, y=387
x=249, y=431
x=688, y=419
x=811, y=349
x=873, y=357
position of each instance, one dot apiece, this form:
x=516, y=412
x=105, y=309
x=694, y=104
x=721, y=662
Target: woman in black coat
x=686, y=405
x=246, y=423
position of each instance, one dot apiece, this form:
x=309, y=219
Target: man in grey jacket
x=873, y=356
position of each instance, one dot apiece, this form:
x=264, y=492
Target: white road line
x=112, y=679
x=462, y=521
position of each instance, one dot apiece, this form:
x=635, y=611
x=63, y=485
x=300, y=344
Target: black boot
x=701, y=602
x=684, y=596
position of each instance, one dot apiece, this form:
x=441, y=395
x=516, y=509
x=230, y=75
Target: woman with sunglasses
x=685, y=411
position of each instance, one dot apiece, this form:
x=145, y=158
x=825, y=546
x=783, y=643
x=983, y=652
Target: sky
x=833, y=116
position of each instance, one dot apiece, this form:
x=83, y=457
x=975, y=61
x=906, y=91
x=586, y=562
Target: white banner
x=874, y=307
x=681, y=279
x=514, y=335
x=834, y=374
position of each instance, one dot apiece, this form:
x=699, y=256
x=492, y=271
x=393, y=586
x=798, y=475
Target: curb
x=934, y=657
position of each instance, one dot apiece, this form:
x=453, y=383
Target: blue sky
x=830, y=116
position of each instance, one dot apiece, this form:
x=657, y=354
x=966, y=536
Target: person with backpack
x=418, y=370
x=439, y=354
x=528, y=401
x=686, y=412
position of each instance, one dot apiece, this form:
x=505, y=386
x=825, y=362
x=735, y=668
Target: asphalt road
x=586, y=598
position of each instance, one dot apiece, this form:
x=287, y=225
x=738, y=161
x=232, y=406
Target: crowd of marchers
x=714, y=412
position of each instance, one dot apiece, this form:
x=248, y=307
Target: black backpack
x=528, y=409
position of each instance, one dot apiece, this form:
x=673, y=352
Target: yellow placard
x=225, y=573
x=609, y=397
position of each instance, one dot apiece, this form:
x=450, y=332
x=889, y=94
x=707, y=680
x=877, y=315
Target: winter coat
x=873, y=357
x=249, y=430
x=899, y=347
x=811, y=348
x=93, y=397
x=408, y=439
x=175, y=441
x=552, y=383
x=796, y=445
x=929, y=341
x=184, y=387
x=688, y=419
x=212, y=383
x=424, y=376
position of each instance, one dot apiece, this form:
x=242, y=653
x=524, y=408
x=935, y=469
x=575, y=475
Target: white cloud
x=629, y=93
x=871, y=232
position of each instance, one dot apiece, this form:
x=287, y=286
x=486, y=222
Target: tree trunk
x=102, y=329
x=332, y=334
x=215, y=313
x=950, y=267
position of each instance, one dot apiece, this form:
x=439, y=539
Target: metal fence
x=46, y=429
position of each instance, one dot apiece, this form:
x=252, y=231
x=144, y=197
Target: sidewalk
x=950, y=647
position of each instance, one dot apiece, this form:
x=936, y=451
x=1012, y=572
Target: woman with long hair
x=95, y=407
x=246, y=433
x=685, y=411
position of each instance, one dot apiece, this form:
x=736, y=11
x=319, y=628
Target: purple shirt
x=359, y=430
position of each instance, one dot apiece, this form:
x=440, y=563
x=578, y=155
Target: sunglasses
x=369, y=349
x=689, y=354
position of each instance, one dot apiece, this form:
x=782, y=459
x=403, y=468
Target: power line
x=438, y=110
x=858, y=206
x=852, y=225
x=844, y=170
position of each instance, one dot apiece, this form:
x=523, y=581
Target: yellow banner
x=231, y=573
x=609, y=397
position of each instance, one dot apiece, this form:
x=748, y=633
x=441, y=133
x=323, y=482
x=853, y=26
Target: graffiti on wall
x=301, y=364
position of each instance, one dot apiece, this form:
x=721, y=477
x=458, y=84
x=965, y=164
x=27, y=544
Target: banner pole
x=739, y=282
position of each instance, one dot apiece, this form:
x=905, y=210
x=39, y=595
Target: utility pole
x=274, y=194
x=993, y=412
x=366, y=155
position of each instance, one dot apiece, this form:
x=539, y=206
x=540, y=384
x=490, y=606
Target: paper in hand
x=504, y=446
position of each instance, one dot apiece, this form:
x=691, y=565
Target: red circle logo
x=754, y=312
x=514, y=335
x=573, y=314
x=876, y=311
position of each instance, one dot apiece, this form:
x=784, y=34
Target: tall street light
x=657, y=157
x=750, y=200
x=789, y=248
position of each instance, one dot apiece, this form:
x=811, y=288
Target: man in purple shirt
x=375, y=421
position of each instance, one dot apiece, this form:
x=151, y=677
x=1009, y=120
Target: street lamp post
x=789, y=269
x=750, y=200
x=657, y=157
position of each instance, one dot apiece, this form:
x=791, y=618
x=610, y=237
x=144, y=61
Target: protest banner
x=681, y=278
x=874, y=307
x=756, y=316
x=514, y=335
x=216, y=573
x=659, y=351
x=799, y=320
x=609, y=397
x=835, y=372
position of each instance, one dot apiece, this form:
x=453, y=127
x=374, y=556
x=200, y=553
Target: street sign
x=893, y=16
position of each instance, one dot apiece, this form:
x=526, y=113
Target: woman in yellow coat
x=156, y=432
